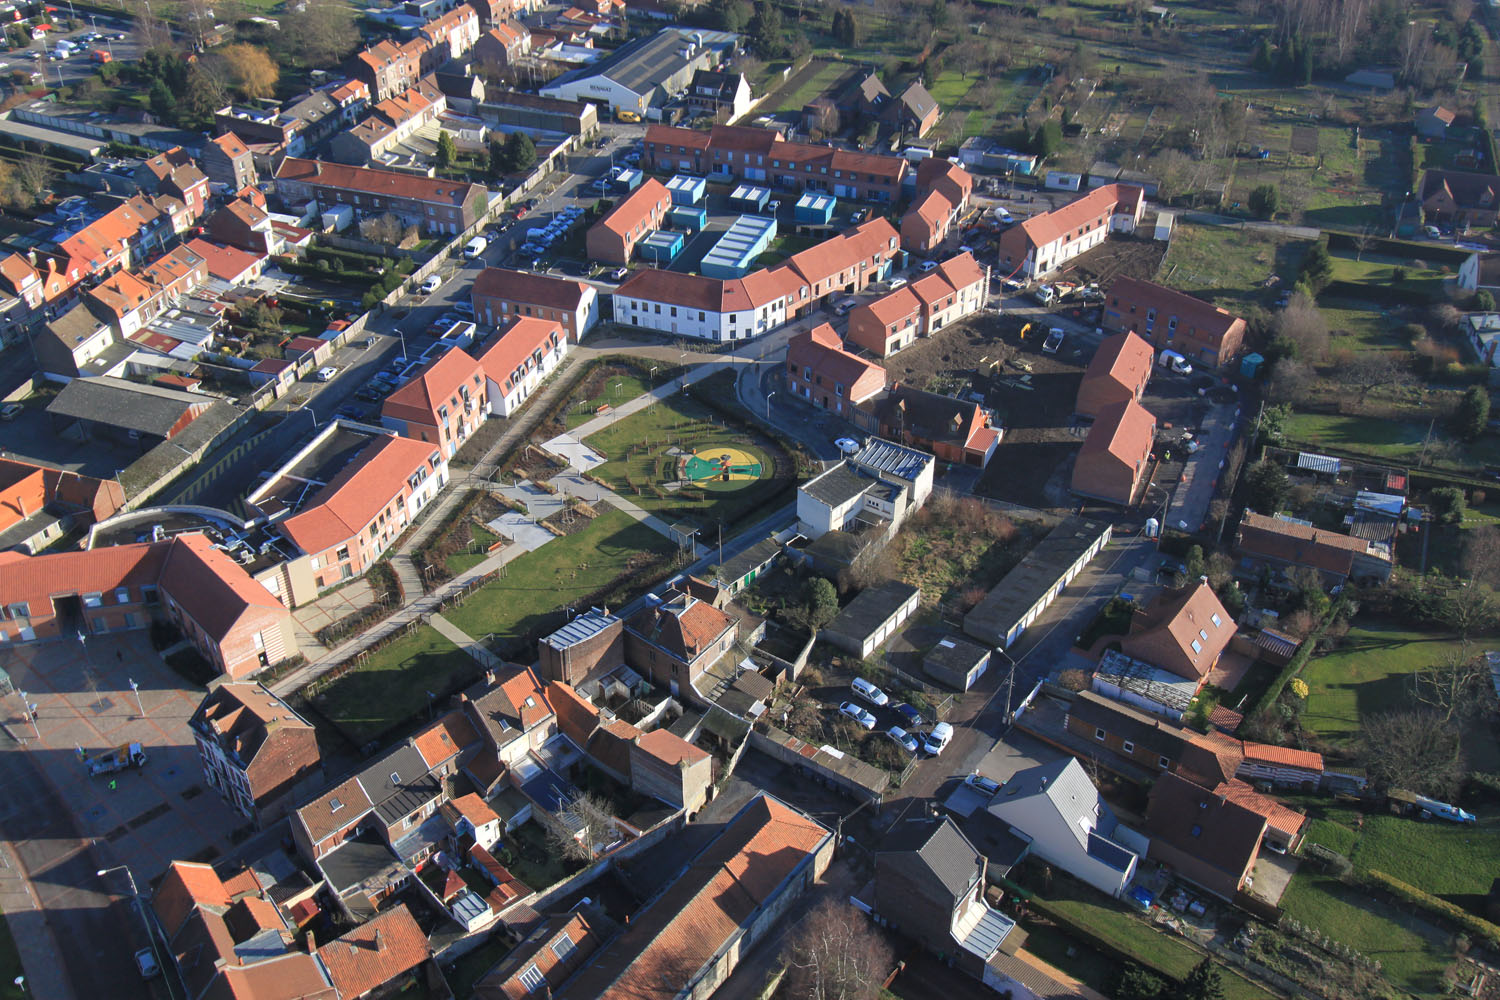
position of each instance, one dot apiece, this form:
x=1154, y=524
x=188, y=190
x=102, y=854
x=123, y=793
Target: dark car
x=908, y=714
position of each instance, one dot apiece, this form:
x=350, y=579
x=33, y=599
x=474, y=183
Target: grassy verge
x=617, y=389
x=10, y=965
x=534, y=586
x=391, y=685
x=483, y=538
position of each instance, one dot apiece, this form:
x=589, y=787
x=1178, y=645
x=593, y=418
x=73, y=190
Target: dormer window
x=334, y=805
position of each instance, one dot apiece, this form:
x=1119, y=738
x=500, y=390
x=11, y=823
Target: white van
x=869, y=692
x=475, y=247
x=937, y=741
x=1176, y=362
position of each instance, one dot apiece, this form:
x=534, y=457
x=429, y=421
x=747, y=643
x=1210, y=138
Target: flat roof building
x=740, y=246
x=1026, y=591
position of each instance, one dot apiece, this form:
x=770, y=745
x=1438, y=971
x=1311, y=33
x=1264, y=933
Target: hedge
x=1486, y=932
x=1296, y=663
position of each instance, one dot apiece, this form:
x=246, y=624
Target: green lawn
x=680, y=422
x=1228, y=265
x=1346, y=914
x=564, y=570
x=1390, y=440
x=391, y=685
x=1367, y=674
x=1442, y=858
x=469, y=969
x=1155, y=949
x=1083, y=963
x=792, y=101
x=1359, y=327
x=618, y=389
x=1380, y=271
x=462, y=561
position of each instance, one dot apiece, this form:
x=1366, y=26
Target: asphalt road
x=80, y=65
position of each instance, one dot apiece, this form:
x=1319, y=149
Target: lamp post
x=29, y=710
x=768, y=403
x=136, y=690
x=1010, y=683
x=135, y=895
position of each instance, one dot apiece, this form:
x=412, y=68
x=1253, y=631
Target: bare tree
x=1413, y=749
x=1291, y=381
x=1468, y=609
x=1367, y=371
x=835, y=954
x=1303, y=325
x=1455, y=688
x=580, y=827
x=1481, y=556
x=34, y=174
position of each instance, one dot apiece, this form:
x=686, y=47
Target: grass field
x=1398, y=441
x=391, y=685
x=1155, y=949
x=1373, y=270
x=565, y=569
x=794, y=99
x=1360, y=327
x=1228, y=265
x=618, y=389
x=461, y=561
x=1407, y=956
x=679, y=421
x=1369, y=674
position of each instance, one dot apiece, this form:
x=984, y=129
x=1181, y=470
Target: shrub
x=1478, y=927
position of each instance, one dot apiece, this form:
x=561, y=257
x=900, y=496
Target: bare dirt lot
x=1139, y=257
x=1032, y=393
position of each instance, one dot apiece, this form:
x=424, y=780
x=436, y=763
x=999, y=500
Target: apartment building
x=956, y=288
x=517, y=361
x=500, y=295
x=1043, y=243
x=434, y=203
x=443, y=403
x=1203, y=333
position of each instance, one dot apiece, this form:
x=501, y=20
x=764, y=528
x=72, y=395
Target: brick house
x=820, y=371
x=676, y=639
x=434, y=203
x=255, y=751
x=227, y=160
x=1183, y=632
x=545, y=958
x=1117, y=373
x=612, y=239
x=591, y=643
x=1460, y=199
x=955, y=289
x=1043, y=243
x=1116, y=454
x=667, y=767
x=1210, y=840
x=954, y=430
x=1171, y=320
x=500, y=294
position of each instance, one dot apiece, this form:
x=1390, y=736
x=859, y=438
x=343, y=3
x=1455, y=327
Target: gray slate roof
x=149, y=409
x=933, y=850
x=839, y=484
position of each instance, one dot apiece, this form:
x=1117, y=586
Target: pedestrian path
x=465, y=642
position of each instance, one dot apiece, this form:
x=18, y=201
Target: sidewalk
x=35, y=942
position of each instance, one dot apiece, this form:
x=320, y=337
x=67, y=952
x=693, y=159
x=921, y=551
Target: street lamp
x=29, y=710
x=768, y=403
x=136, y=690
x=135, y=894
x=1010, y=683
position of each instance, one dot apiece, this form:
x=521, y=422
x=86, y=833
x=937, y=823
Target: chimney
x=317, y=168
x=379, y=941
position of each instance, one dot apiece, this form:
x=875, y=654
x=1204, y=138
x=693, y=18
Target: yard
x=1388, y=439
x=1229, y=266
x=816, y=79
x=532, y=859
x=956, y=550
x=644, y=449
x=524, y=599
x=391, y=685
x=1379, y=271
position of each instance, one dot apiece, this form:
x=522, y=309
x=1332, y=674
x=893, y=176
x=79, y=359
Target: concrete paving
x=1200, y=473
x=540, y=504
x=521, y=530
x=573, y=451
x=331, y=607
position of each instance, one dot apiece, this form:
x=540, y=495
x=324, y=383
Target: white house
x=471, y=816
x=519, y=360
x=689, y=305
x=1057, y=810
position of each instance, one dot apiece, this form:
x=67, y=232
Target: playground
x=681, y=460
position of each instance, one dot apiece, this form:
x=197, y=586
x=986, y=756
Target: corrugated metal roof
x=897, y=460
x=1318, y=463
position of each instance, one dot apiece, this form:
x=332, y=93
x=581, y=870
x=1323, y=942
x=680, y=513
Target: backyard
x=1392, y=439
x=391, y=685
x=1229, y=265
x=529, y=591
x=644, y=451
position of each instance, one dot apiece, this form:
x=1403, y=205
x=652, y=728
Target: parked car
x=910, y=715
x=326, y=373
x=869, y=692
x=937, y=741
x=859, y=215
x=927, y=265
x=981, y=784
x=906, y=740
x=1054, y=341
x=11, y=411
x=861, y=718
x=896, y=283
x=619, y=273
x=844, y=307
x=432, y=284
x=848, y=446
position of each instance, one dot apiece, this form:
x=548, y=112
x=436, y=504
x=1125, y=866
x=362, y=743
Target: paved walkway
x=465, y=642
x=1200, y=472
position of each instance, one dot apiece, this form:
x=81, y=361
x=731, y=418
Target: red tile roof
x=1301, y=544
x=531, y=288
x=1183, y=633
x=669, y=748
x=375, y=952
x=433, y=190
x=1265, y=753
x=363, y=488
x=1283, y=819
x=1125, y=358
x=610, y=745
x=437, y=384
x=635, y=208
x=186, y=885
x=508, y=354
x=1097, y=204
x=224, y=263
x=211, y=587
x=36, y=579
x=121, y=292
x=1123, y=430
x=576, y=718
x=894, y=306
x=722, y=889
x=821, y=350
x=1209, y=320
x=472, y=808
x=445, y=738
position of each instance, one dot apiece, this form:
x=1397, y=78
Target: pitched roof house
x=1457, y=198
x=547, y=956
x=443, y=403
x=375, y=953
x=1118, y=372
x=1183, y=633
x=255, y=751
x=677, y=637
x=1115, y=454
x=1203, y=333
x=1210, y=840
x=821, y=372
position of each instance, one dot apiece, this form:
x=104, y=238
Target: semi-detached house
x=518, y=360
x=1203, y=333
x=1115, y=454
x=957, y=288
x=1043, y=243
x=434, y=203
x=820, y=371
x=255, y=751
x=443, y=403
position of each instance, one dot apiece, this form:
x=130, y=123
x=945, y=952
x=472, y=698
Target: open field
x=1229, y=266
x=1369, y=674
x=681, y=423
x=819, y=77
x=1357, y=326
x=391, y=685
x=1387, y=439
x=536, y=585
x=1375, y=270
